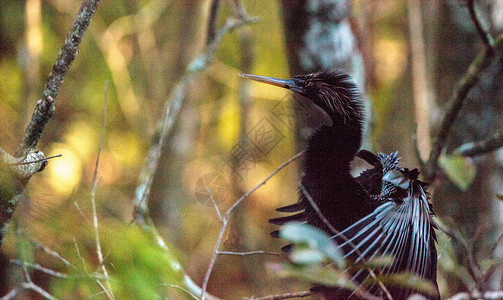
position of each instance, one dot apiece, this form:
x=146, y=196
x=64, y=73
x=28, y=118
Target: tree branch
x=456, y=102
x=481, y=147
x=212, y=21
x=173, y=106
x=46, y=105
x=484, y=34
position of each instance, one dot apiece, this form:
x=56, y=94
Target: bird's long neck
x=331, y=150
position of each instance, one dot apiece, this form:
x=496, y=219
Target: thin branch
x=496, y=243
x=214, y=203
x=40, y=268
x=31, y=286
x=10, y=295
x=212, y=21
x=227, y=216
x=51, y=252
x=248, y=253
x=94, y=186
x=81, y=212
x=46, y=105
x=485, y=35
x=456, y=102
x=36, y=161
x=285, y=296
x=79, y=255
x=481, y=147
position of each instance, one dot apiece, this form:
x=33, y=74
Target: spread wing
x=401, y=228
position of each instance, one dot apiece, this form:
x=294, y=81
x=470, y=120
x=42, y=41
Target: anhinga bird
x=383, y=212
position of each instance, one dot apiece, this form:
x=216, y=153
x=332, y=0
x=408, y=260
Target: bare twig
x=481, y=147
x=40, y=268
x=214, y=203
x=10, y=295
x=496, y=243
x=36, y=161
x=485, y=35
x=227, y=216
x=31, y=286
x=46, y=105
x=81, y=212
x=285, y=296
x=79, y=255
x=457, y=100
x=50, y=252
x=248, y=253
x=94, y=186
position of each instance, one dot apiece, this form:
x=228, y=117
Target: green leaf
x=460, y=170
x=316, y=239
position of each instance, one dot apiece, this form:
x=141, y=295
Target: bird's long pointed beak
x=284, y=83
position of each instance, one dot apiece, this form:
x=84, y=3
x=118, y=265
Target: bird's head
x=333, y=92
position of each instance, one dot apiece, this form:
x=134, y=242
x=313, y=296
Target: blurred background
x=406, y=56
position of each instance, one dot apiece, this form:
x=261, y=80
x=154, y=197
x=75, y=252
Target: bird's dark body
x=384, y=211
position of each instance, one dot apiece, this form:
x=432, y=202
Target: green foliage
x=140, y=266
x=137, y=266
x=460, y=170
